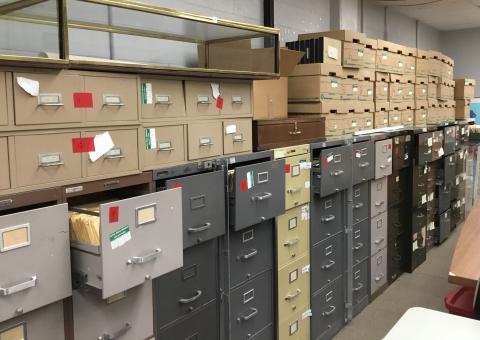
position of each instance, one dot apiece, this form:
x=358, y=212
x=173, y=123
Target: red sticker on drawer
x=220, y=102
x=287, y=168
x=82, y=100
x=83, y=145
x=243, y=185
x=113, y=214
x=176, y=185
x=389, y=146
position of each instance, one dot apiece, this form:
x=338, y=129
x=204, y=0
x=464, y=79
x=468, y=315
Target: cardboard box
x=420, y=117
x=381, y=90
x=344, y=35
x=334, y=124
x=351, y=89
x=396, y=90
x=432, y=91
x=410, y=65
x=394, y=118
x=370, y=54
x=316, y=107
x=445, y=89
x=421, y=88
x=435, y=67
x=421, y=104
x=270, y=97
x=382, y=106
x=464, y=88
x=422, y=63
x=380, y=119
x=366, y=74
x=407, y=118
x=353, y=54
x=409, y=92
x=366, y=90
x=385, y=61
x=353, y=122
x=318, y=50
x=432, y=102
x=382, y=76
x=462, y=109
x=402, y=105
x=446, y=71
x=366, y=120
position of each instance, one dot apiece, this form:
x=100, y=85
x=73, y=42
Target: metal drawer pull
x=203, y=100
x=162, y=100
x=114, y=153
x=237, y=100
x=20, y=287
x=330, y=312
x=203, y=227
x=294, y=295
x=50, y=99
x=118, y=334
x=420, y=185
x=358, y=246
x=330, y=264
x=51, y=104
x=296, y=132
x=192, y=299
x=357, y=288
x=291, y=243
x=50, y=159
x=262, y=197
x=112, y=100
x=377, y=204
x=6, y=203
x=452, y=164
x=428, y=152
x=249, y=316
x=383, y=166
x=205, y=141
x=238, y=138
x=147, y=258
x=363, y=165
x=380, y=240
x=294, y=190
x=358, y=205
x=337, y=173
x=328, y=218
x=378, y=278
x=165, y=146
x=249, y=255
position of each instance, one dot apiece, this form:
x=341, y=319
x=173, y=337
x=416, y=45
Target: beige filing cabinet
x=161, y=98
x=163, y=145
x=4, y=170
x=237, y=136
x=205, y=139
x=3, y=100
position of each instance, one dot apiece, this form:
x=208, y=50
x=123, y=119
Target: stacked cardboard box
x=441, y=107
x=464, y=92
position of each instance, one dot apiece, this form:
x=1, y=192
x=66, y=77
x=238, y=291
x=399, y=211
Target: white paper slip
x=305, y=212
x=306, y=269
x=424, y=199
x=414, y=245
x=215, y=90
x=332, y=52
x=307, y=184
x=441, y=152
x=32, y=87
x=229, y=129
x=305, y=165
x=103, y=143
x=307, y=314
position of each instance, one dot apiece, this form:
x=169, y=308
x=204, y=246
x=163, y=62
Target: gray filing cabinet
x=379, y=227
x=152, y=227
x=383, y=158
x=360, y=288
x=361, y=239
x=363, y=161
x=378, y=196
x=333, y=170
x=327, y=217
x=378, y=269
x=329, y=258
x=35, y=247
x=361, y=200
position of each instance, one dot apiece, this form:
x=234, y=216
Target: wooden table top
x=465, y=265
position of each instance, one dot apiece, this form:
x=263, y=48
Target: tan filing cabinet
x=45, y=158
x=114, y=98
x=122, y=158
x=54, y=103
x=168, y=146
x=161, y=98
x=237, y=136
x=205, y=139
x=3, y=100
x=237, y=97
x=297, y=327
x=199, y=99
x=4, y=170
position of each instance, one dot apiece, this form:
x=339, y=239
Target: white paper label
x=429, y=141
x=32, y=87
x=384, y=56
x=369, y=122
x=307, y=314
x=329, y=158
x=354, y=123
x=431, y=226
x=414, y=245
x=430, y=197
x=360, y=53
x=307, y=184
x=397, y=179
x=306, y=269
x=215, y=90
x=369, y=92
x=410, y=93
x=412, y=67
x=400, y=64
x=148, y=93
x=334, y=84
x=305, y=165
x=305, y=212
x=441, y=152
x=103, y=143
x=463, y=200
x=457, y=180
x=355, y=88
x=332, y=52
x=424, y=199
x=250, y=181
x=424, y=91
x=229, y=129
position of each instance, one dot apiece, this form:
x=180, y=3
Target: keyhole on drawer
x=294, y=307
x=248, y=275
x=199, y=240
x=293, y=255
x=190, y=309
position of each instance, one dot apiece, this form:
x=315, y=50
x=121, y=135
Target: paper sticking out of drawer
x=14, y=333
x=85, y=224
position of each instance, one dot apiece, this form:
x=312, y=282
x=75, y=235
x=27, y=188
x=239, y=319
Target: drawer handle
x=166, y=148
x=116, y=335
x=163, y=100
x=420, y=185
x=330, y=312
x=294, y=190
x=328, y=218
x=238, y=138
x=357, y=288
x=428, y=152
x=237, y=100
x=197, y=295
x=112, y=100
x=20, y=287
x=254, y=312
x=378, y=204
x=114, y=153
x=290, y=297
x=110, y=184
x=451, y=164
x=380, y=240
x=420, y=216
x=358, y=205
x=378, y=278
x=291, y=243
x=337, y=173
x=203, y=227
x=358, y=246
x=329, y=265
x=383, y=166
x=203, y=100
x=397, y=257
x=296, y=132
x=205, y=141
x=262, y=197
x=50, y=159
x=6, y=203
x=249, y=255
x=147, y=258
x=363, y=164
x=51, y=104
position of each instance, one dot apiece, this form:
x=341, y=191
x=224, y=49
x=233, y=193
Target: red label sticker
x=325, y=160
x=82, y=100
x=389, y=146
x=83, y=145
x=287, y=168
x=113, y=214
x=220, y=102
x=397, y=151
x=243, y=185
x=176, y=185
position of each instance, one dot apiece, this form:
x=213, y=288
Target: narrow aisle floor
x=425, y=287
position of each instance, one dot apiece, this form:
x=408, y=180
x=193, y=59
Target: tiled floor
x=425, y=287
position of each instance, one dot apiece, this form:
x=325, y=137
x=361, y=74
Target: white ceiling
x=445, y=15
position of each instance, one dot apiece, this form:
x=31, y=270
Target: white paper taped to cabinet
x=32, y=87
x=215, y=90
x=103, y=143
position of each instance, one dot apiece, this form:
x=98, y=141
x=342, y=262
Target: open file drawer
x=34, y=246
x=140, y=238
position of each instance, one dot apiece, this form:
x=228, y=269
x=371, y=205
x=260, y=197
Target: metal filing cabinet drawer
x=327, y=217
x=378, y=275
x=35, y=247
x=360, y=282
x=444, y=198
x=180, y=292
x=293, y=234
x=128, y=315
x=437, y=147
x=46, y=323
x=54, y=103
x=395, y=223
x=363, y=162
x=445, y=224
x=383, y=158
x=296, y=327
x=203, y=206
x=461, y=164
x=236, y=97
x=449, y=139
x=114, y=98
x=328, y=311
x=401, y=152
x=257, y=193
x=142, y=242
x=251, y=252
x=170, y=146
x=361, y=240
x=361, y=202
x=266, y=333
x=123, y=157
x=4, y=169
x=425, y=143
x=3, y=100
x=237, y=136
x=418, y=247
x=398, y=188
x=46, y=158
x=336, y=170
x=205, y=140
x=328, y=261
x=199, y=99
x=379, y=226
x=162, y=98
x=293, y=287
x=202, y=325
x=395, y=258
x=419, y=218
x=251, y=307
x=378, y=196
x=449, y=169
x=297, y=180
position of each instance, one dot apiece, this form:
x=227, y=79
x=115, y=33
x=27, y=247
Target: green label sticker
x=150, y=139
x=119, y=237
x=147, y=96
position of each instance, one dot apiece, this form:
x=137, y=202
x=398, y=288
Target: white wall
x=401, y=29
x=428, y=37
x=374, y=20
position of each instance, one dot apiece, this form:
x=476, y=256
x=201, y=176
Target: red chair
x=460, y=302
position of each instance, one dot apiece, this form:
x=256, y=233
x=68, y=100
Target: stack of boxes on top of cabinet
x=464, y=93
x=422, y=70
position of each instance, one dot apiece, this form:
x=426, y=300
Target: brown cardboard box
x=396, y=90
x=435, y=67
x=344, y=35
x=380, y=119
x=421, y=88
x=382, y=106
x=353, y=122
x=402, y=105
x=351, y=89
x=420, y=117
x=394, y=118
x=432, y=91
x=366, y=90
x=334, y=124
x=353, y=54
x=421, y=104
x=446, y=71
x=366, y=74
x=464, y=88
x=432, y=102
x=385, y=61
x=407, y=118
x=410, y=64
x=445, y=89
x=316, y=107
x=462, y=109
x=270, y=97
x=423, y=63
x=363, y=106
x=409, y=92
x=381, y=90
x=382, y=76
x=366, y=120
x=432, y=116
x=370, y=54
